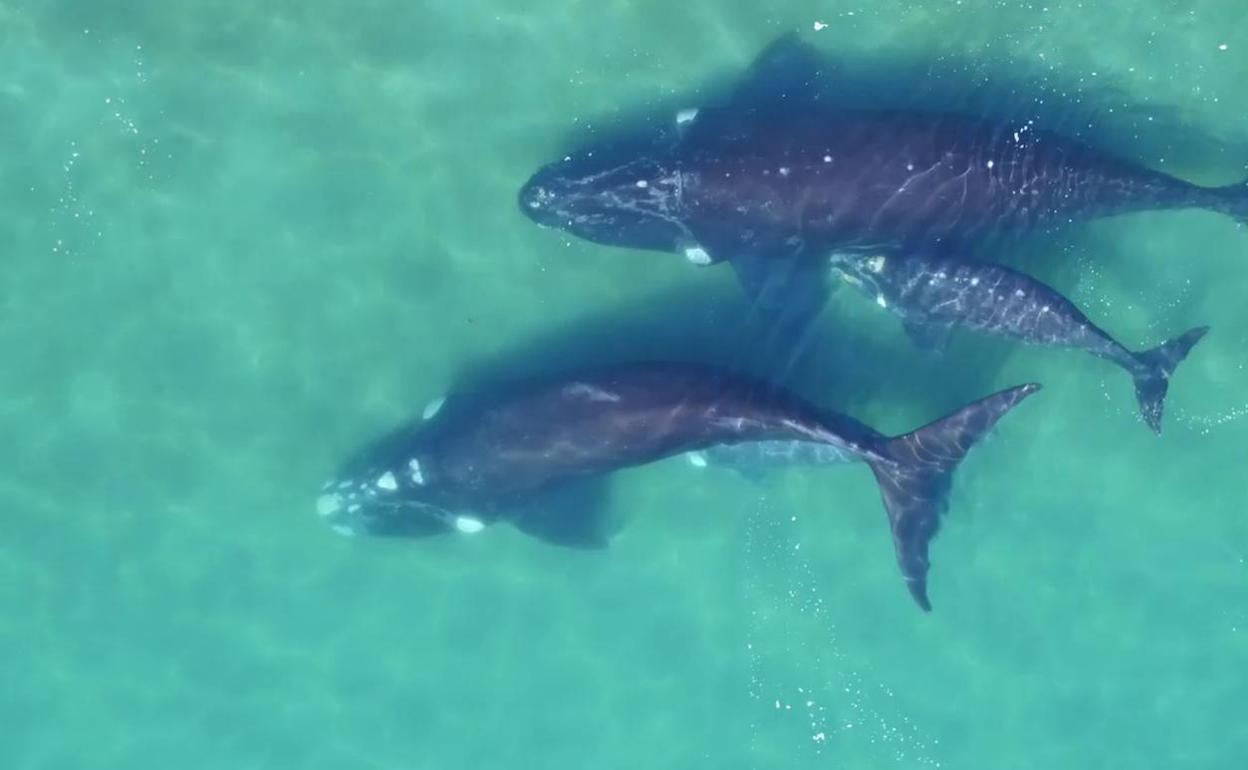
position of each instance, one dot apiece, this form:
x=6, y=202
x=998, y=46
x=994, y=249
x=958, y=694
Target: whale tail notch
x=1152, y=375
x=915, y=474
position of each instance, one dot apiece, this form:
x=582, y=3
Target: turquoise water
x=243, y=238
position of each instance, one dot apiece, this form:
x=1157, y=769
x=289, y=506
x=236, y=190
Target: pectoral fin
x=572, y=515
x=930, y=338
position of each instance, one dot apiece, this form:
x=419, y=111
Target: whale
x=772, y=188
x=934, y=295
x=480, y=459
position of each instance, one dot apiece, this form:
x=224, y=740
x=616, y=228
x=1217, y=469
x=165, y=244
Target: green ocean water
x=240, y=239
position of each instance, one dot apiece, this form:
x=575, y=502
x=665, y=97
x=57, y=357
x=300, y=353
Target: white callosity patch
x=432, y=408
x=328, y=505
x=415, y=473
x=388, y=482
x=468, y=525
x=697, y=255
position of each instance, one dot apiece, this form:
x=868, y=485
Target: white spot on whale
x=852, y=280
x=643, y=184
x=784, y=171
x=432, y=408
x=697, y=255
x=417, y=475
x=827, y=158
x=686, y=115
x=975, y=281
x=468, y=525
x=879, y=300
x=991, y=164
x=696, y=459
x=590, y=392
x=1018, y=292
x=388, y=482
x=328, y=505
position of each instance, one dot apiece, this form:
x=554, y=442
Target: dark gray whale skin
x=742, y=183
x=486, y=456
x=934, y=295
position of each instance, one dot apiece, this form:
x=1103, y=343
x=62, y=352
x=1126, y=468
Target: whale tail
x=915, y=473
x=1231, y=200
x=1153, y=371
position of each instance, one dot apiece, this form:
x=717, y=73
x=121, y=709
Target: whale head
x=389, y=489
x=632, y=200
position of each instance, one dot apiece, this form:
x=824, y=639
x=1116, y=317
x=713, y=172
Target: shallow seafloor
x=242, y=238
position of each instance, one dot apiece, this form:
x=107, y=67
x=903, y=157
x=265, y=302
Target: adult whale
x=771, y=188
x=485, y=458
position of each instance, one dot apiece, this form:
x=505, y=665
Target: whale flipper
x=786, y=294
x=915, y=472
x=930, y=338
x=572, y=515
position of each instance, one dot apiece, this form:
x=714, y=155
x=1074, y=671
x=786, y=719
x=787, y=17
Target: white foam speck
x=696, y=459
x=643, y=184
x=468, y=525
x=684, y=116
x=879, y=300
x=820, y=26
x=417, y=475
x=388, y=482
x=1223, y=47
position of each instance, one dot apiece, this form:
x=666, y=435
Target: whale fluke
x=1152, y=377
x=915, y=472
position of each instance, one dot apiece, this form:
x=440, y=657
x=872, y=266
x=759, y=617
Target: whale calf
x=484, y=458
x=933, y=295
